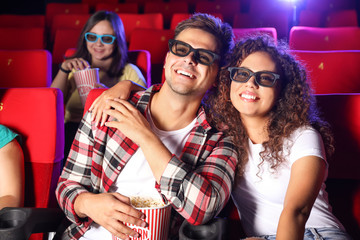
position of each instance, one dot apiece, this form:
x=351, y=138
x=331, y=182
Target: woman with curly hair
x=264, y=101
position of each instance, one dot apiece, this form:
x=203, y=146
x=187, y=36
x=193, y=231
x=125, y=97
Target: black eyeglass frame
x=99, y=36
x=255, y=74
x=196, y=51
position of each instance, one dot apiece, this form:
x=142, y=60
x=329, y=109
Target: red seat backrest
x=178, y=17
x=93, y=94
x=67, y=21
x=37, y=114
x=324, y=39
x=54, y=8
x=133, y=21
x=25, y=68
x=64, y=39
x=23, y=21
x=227, y=9
x=324, y=70
x=21, y=38
x=243, y=32
x=118, y=7
x=342, y=111
x=167, y=9
x=156, y=44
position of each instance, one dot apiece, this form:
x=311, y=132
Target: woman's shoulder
x=133, y=73
x=6, y=135
x=306, y=141
x=304, y=131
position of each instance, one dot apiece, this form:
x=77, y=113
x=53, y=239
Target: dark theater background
x=36, y=35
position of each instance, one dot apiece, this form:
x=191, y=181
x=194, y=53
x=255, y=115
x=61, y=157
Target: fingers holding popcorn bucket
x=86, y=80
x=157, y=216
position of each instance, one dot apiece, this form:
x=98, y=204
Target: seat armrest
x=20, y=223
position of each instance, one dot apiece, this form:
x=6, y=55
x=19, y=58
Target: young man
x=158, y=142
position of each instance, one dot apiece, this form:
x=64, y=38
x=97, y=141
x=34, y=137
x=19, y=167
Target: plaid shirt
x=197, y=184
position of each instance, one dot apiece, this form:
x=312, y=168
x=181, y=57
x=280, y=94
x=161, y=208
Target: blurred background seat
x=243, y=32
x=66, y=21
x=118, y=7
x=157, y=44
x=23, y=21
x=324, y=39
x=227, y=9
x=167, y=9
x=332, y=71
x=178, y=17
x=25, y=68
x=134, y=21
x=54, y=8
x=21, y=38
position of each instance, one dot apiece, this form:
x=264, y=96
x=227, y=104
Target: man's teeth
x=185, y=73
x=252, y=97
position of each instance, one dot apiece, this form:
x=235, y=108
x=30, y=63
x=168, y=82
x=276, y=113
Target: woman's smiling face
x=250, y=99
x=99, y=50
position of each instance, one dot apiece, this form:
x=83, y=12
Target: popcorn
x=146, y=202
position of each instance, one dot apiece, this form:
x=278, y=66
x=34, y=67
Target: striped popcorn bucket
x=85, y=80
x=158, y=219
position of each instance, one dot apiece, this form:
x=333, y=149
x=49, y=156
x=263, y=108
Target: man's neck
x=172, y=111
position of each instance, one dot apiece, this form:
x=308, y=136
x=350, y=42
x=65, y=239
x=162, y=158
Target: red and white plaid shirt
x=197, y=184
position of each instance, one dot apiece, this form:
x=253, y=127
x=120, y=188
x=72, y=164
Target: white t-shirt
x=260, y=200
x=136, y=178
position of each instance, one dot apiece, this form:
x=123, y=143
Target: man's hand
x=111, y=211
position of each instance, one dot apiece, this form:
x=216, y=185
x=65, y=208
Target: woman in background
x=265, y=103
x=101, y=45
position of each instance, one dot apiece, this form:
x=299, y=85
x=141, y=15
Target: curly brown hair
x=295, y=106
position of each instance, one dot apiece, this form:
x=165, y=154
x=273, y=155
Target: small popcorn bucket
x=85, y=81
x=158, y=219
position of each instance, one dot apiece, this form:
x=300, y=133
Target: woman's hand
x=129, y=121
x=121, y=90
x=75, y=63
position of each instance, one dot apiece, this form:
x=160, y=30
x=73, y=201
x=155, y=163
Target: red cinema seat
x=54, y=8
x=324, y=39
x=37, y=114
x=25, y=68
x=64, y=39
x=311, y=18
x=178, y=17
x=156, y=44
x=167, y=9
x=228, y=9
x=118, y=7
x=279, y=20
x=26, y=21
x=243, y=32
x=67, y=21
x=92, y=3
x=133, y=21
x=342, y=111
x=22, y=38
x=324, y=70
x=342, y=18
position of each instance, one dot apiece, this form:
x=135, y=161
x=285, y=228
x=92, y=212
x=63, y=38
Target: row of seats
x=32, y=68
x=231, y=10
x=321, y=39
